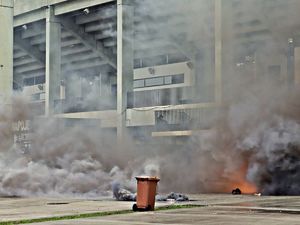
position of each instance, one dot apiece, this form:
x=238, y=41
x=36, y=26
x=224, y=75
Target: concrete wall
x=64, y=6
x=272, y=58
x=165, y=70
x=22, y=6
x=6, y=50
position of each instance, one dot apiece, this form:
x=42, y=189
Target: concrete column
x=291, y=62
x=53, y=61
x=297, y=66
x=218, y=51
x=6, y=50
x=229, y=72
x=124, y=61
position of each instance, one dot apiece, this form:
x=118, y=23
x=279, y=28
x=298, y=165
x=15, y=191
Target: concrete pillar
x=291, y=62
x=229, y=67
x=218, y=51
x=6, y=50
x=124, y=61
x=297, y=66
x=53, y=61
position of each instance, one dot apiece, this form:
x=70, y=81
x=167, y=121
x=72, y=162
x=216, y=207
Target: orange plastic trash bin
x=146, y=191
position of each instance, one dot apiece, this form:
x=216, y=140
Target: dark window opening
x=139, y=83
x=178, y=79
x=34, y=80
x=159, y=81
x=29, y=81
x=40, y=80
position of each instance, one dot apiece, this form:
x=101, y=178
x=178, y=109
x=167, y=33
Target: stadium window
x=168, y=80
x=28, y=81
x=139, y=83
x=154, y=81
x=39, y=80
x=178, y=79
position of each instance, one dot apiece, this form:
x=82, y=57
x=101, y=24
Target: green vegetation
x=89, y=215
x=170, y=207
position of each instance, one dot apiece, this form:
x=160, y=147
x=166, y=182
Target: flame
x=240, y=181
x=237, y=179
x=246, y=187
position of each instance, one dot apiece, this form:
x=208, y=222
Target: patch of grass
x=67, y=217
x=170, y=207
x=89, y=215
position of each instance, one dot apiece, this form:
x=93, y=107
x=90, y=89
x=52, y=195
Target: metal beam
x=32, y=51
x=89, y=41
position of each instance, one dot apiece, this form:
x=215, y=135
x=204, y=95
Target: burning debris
x=236, y=191
x=178, y=197
x=122, y=194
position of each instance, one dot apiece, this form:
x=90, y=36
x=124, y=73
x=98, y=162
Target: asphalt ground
x=213, y=209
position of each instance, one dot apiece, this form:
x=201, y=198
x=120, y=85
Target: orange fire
x=239, y=181
x=246, y=187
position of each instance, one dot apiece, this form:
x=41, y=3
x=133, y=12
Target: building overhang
x=34, y=10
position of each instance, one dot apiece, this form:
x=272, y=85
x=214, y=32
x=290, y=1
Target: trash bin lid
x=147, y=178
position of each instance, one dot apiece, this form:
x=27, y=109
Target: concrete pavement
x=217, y=209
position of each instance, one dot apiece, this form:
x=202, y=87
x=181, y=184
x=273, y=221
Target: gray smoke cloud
x=253, y=143
x=275, y=168
x=272, y=145
x=73, y=161
x=260, y=146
